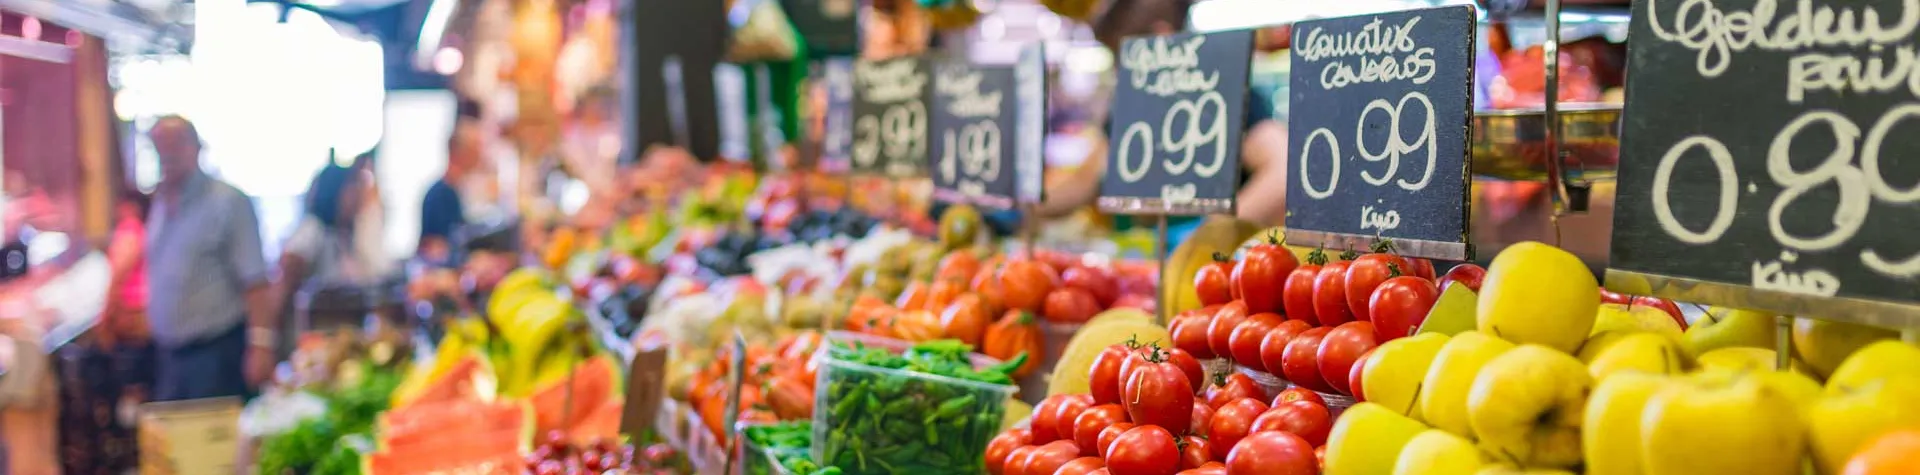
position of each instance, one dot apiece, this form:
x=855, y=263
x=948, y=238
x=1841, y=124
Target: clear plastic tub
x=874, y=420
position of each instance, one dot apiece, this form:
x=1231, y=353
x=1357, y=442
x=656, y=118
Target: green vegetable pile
x=902, y=421
x=788, y=444
x=332, y=445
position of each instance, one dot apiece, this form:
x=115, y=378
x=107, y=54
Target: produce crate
x=873, y=420
x=1270, y=384
x=189, y=437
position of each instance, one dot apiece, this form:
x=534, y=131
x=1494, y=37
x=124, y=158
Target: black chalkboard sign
x=830, y=27
x=973, y=124
x=836, y=137
x=1379, y=107
x=1030, y=137
x=890, y=116
x=1179, y=111
x=1774, y=172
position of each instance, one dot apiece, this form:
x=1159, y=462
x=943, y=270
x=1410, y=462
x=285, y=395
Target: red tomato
x=1400, y=304
x=1112, y=432
x=1103, y=378
x=1422, y=268
x=1202, y=417
x=1213, y=281
x=1273, y=347
x=1095, y=281
x=1044, y=426
x=1196, y=375
x=1070, y=305
x=1366, y=273
x=1190, y=332
x=1212, y=468
x=1469, y=275
x=1087, y=427
x=1220, y=330
x=1024, y=284
x=1672, y=309
x=1232, y=422
x=1302, y=418
x=1136, y=301
x=1330, y=295
x=1047, y=459
x=1233, y=386
x=1272, y=453
x=1297, y=294
x=1354, y=377
x=1144, y=450
x=1002, y=446
x=1157, y=393
x=1301, y=364
x=1081, y=466
x=1260, y=273
x=1244, y=342
x=1101, y=471
x=1341, y=347
x=1067, y=412
x=1299, y=394
x=1017, y=460
x=1194, y=452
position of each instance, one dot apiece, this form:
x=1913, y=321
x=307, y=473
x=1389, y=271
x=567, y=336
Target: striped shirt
x=203, y=254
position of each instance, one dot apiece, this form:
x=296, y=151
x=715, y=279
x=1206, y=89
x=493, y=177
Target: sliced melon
x=470, y=379
x=595, y=383
x=1122, y=314
x=1070, y=374
x=598, y=425
x=494, y=452
x=424, y=423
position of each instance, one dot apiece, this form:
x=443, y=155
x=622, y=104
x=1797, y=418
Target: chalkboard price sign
x=1771, y=164
x=1178, y=115
x=973, y=121
x=890, y=117
x=836, y=137
x=1030, y=138
x=1379, y=107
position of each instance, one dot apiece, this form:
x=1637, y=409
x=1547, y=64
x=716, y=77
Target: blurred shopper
x=326, y=248
x=125, y=319
x=105, y=377
x=209, y=301
x=442, y=211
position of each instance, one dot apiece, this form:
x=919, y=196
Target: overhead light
x=322, y=3
x=30, y=28
x=448, y=61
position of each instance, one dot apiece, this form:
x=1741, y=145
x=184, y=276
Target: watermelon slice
x=420, y=423
x=601, y=424
x=470, y=379
x=595, y=384
x=500, y=452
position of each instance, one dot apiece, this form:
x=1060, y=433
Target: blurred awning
x=117, y=21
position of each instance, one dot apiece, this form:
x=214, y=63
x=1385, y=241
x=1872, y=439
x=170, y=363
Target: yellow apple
x=1539, y=294
x=1443, y=394
x=1436, y=452
x=1728, y=423
x=1504, y=469
x=1796, y=385
x=1880, y=360
x=1526, y=406
x=1739, y=359
x=1611, y=436
x=1394, y=371
x=1645, y=352
x=1846, y=420
x=1727, y=328
x=1638, y=318
x=1367, y=440
x=1824, y=345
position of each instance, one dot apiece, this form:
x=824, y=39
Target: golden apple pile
x=1552, y=381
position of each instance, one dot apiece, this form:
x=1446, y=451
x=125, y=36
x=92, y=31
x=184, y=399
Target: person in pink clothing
x=125, y=317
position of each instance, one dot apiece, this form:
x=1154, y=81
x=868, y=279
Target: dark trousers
x=210, y=367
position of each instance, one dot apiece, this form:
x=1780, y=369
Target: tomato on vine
x=1214, y=281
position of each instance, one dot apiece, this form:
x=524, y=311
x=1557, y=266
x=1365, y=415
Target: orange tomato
x=958, y=265
x=912, y=297
x=1896, y=453
x=916, y=325
x=965, y=319
x=986, y=284
x=1026, y=284
x=790, y=399
x=1013, y=334
x=942, y=293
